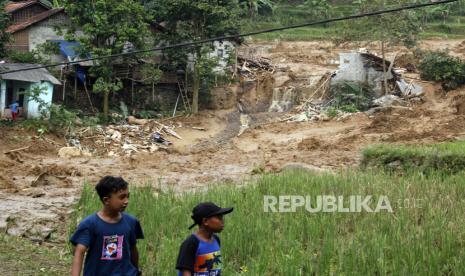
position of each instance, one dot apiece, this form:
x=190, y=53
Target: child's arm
x=79, y=253
x=135, y=256
x=186, y=273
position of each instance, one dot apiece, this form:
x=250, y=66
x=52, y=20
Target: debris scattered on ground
x=389, y=100
x=249, y=67
x=72, y=152
x=410, y=90
x=137, y=135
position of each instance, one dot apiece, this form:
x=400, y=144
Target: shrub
x=351, y=97
x=441, y=67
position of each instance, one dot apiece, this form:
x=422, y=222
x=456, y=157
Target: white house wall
x=352, y=69
x=222, y=51
x=39, y=35
x=2, y=98
x=33, y=109
x=47, y=30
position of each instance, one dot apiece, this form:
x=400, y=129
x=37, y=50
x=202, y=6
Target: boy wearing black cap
x=200, y=254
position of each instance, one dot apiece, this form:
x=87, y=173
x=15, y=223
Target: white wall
x=47, y=95
x=352, y=68
x=222, y=51
x=2, y=98
x=39, y=35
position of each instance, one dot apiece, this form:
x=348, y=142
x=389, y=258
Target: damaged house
x=364, y=68
x=33, y=23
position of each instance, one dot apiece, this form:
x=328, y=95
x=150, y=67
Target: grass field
x=289, y=14
x=19, y=256
x=441, y=159
x=424, y=234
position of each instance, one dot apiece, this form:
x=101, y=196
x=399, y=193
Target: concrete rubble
x=362, y=67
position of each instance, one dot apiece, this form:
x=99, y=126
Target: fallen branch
x=16, y=150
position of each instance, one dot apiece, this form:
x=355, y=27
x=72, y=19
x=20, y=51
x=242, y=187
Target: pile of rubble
x=316, y=106
x=250, y=68
x=137, y=135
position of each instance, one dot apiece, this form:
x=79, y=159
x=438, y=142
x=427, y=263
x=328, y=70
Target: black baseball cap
x=206, y=210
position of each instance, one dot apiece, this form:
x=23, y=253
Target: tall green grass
x=445, y=158
x=286, y=14
x=425, y=239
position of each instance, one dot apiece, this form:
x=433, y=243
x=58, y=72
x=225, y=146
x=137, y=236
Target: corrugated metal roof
x=36, y=75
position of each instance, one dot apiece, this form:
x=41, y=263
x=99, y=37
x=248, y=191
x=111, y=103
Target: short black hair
x=110, y=184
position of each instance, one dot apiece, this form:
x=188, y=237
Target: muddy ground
x=38, y=189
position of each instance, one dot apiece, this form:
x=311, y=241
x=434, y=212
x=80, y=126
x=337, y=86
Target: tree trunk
x=106, y=96
x=153, y=92
x=384, y=68
x=251, y=9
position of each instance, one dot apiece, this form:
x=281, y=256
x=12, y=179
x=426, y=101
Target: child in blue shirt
x=200, y=253
x=109, y=236
x=14, y=110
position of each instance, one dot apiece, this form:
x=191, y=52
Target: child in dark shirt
x=109, y=236
x=200, y=253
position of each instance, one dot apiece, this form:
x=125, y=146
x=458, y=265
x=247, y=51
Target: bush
x=441, y=67
x=351, y=97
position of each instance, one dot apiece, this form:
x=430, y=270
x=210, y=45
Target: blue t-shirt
x=200, y=257
x=14, y=107
x=109, y=245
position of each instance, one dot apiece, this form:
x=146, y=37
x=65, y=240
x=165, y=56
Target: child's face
x=214, y=224
x=118, y=201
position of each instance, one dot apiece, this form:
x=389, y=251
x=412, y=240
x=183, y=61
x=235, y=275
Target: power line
x=229, y=37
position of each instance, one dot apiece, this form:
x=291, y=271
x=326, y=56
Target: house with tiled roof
x=33, y=23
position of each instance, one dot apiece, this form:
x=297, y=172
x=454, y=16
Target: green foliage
x=41, y=55
x=395, y=28
x=351, y=97
x=257, y=7
x=350, y=108
x=24, y=57
x=191, y=20
x=446, y=158
x=318, y=9
x=332, y=112
x=150, y=73
x=54, y=118
x=441, y=67
x=108, y=27
x=61, y=118
x=21, y=256
x=103, y=86
x=4, y=22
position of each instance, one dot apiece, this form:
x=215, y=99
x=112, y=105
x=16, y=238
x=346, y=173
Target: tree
x=395, y=28
x=108, y=27
x=191, y=20
x=253, y=7
x=319, y=9
x=4, y=22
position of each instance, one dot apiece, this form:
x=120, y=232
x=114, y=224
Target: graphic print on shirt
x=112, y=247
x=208, y=264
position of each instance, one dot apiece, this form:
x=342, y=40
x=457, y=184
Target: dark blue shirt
x=109, y=245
